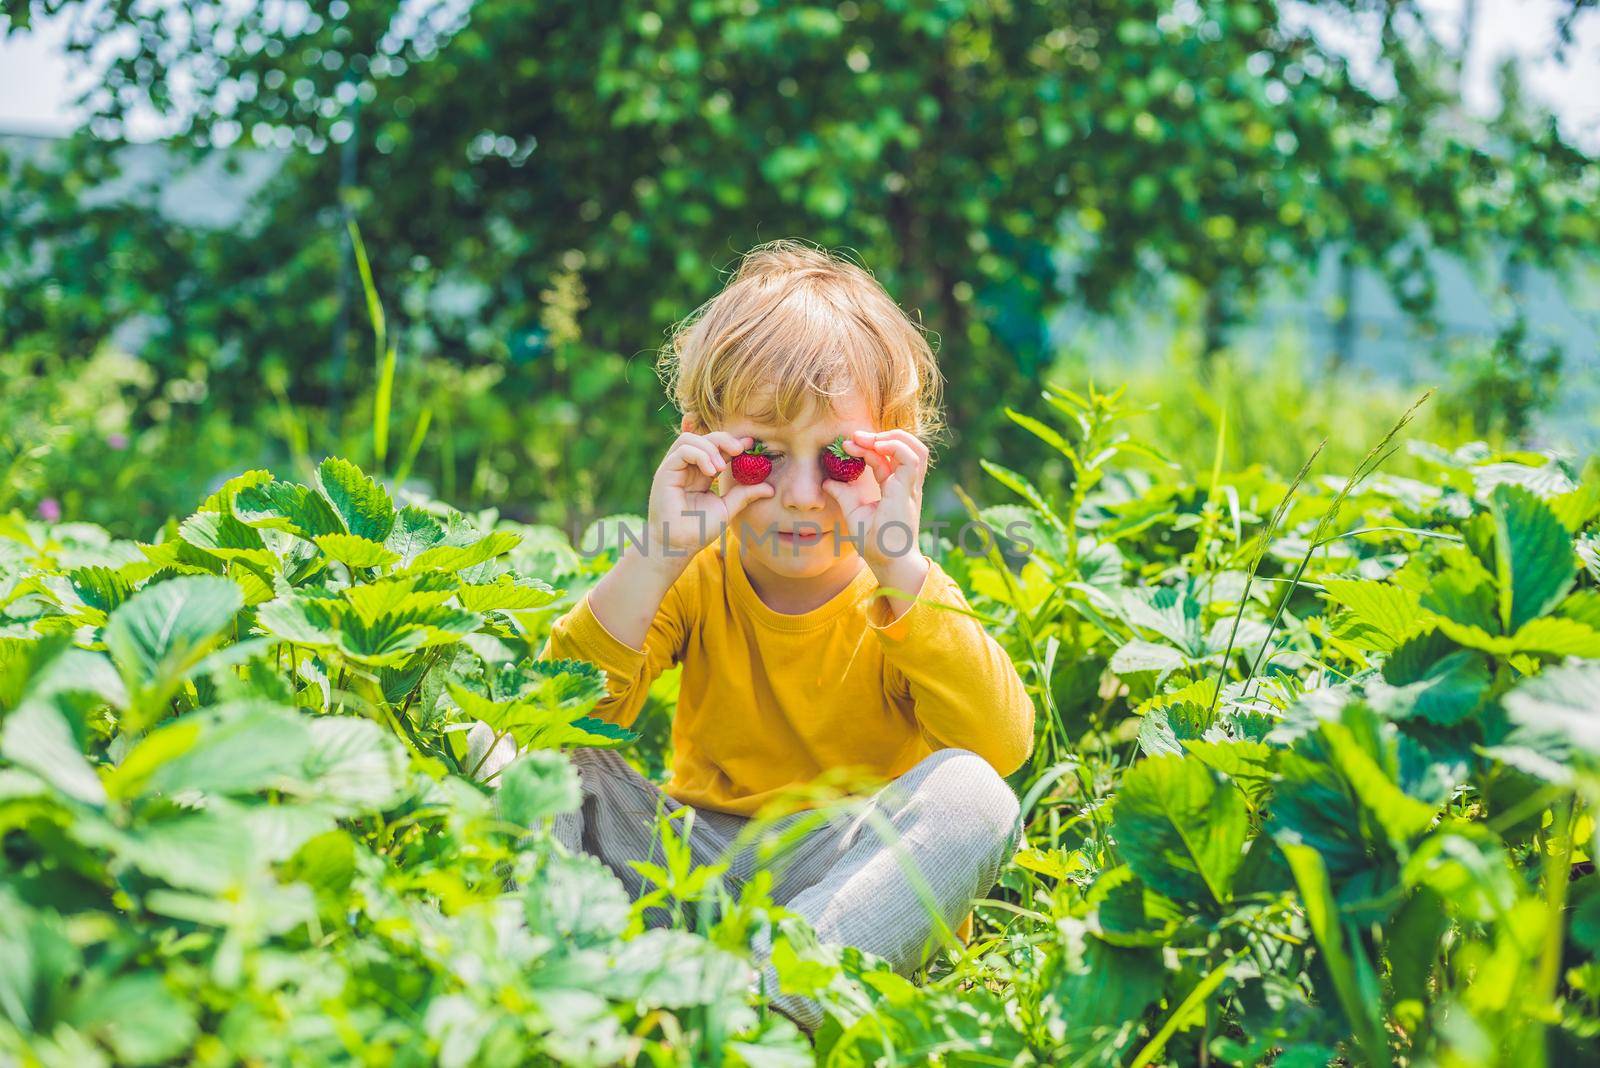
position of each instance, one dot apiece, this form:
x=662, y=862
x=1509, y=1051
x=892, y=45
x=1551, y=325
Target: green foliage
x=235, y=791
x=543, y=187
x=1315, y=780
x=1339, y=729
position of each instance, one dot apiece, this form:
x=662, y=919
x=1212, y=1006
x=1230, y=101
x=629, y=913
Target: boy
x=803, y=614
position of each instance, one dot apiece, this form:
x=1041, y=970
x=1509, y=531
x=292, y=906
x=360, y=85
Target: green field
x=1314, y=782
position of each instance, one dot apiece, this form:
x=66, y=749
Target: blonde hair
x=797, y=324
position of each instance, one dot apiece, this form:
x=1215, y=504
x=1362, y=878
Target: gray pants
x=951, y=820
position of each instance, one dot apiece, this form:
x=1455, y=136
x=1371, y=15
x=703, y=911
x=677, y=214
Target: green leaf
x=100, y=587
x=360, y=502
x=1533, y=556
x=1434, y=680
x=461, y=557
x=204, y=851
x=222, y=499
x=1546, y=636
x=326, y=863
x=538, y=784
x=354, y=763
x=38, y=737
x=354, y=551
x=1588, y=549
x=1322, y=914
x=165, y=629
x=1247, y=763
x=138, y=1016
x=1460, y=597
x=1563, y=702
x=285, y=506
x=41, y=963
x=576, y=899
x=1130, y=913
x=223, y=535
x=1026, y=490
x=415, y=531
x=301, y=620
x=506, y=594
x=1169, y=727
x=1139, y=655
x=373, y=600
x=237, y=748
x=392, y=637
x=1181, y=829
x=1389, y=610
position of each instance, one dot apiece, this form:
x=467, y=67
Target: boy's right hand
x=685, y=512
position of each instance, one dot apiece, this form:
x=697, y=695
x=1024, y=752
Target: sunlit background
x=1297, y=217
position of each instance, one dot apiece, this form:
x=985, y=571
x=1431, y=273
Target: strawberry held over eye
x=753, y=465
x=840, y=465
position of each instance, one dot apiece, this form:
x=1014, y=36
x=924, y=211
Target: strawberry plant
x=241, y=818
x=1314, y=784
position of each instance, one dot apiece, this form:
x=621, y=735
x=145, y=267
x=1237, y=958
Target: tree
x=965, y=150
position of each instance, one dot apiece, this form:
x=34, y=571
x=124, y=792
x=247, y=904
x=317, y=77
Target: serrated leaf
x=1588, y=549
x=1019, y=485
x=1181, y=829
x=1434, y=679
x=576, y=899
x=1139, y=655
x=1564, y=702
x=536, y=785
x=204, y=852
x=1461, y=598
x=222, y=499
x=1389, y=610
x=100, y=587
x=236, y=748
x=398, y=594
x=1533, y=554
x=414, y=532
x=300, y=620
x=285, y=506
x=360, y=502
x=165, y=629
x=354, y=763
x=1549, y=636
x=1248, y=763
x=1130, y=913
x=355, y=551
x=507, y=594
x=38, y=737
x=461, y=557
x=223, y=535
x=387, y=640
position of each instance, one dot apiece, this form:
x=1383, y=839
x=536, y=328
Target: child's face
x=798, y=502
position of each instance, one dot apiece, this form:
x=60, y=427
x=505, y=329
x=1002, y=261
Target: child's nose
x=802, y=484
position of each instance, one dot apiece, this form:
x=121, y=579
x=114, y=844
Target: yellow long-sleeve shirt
x=770, y=700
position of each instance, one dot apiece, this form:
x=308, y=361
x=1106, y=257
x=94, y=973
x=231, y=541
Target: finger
x=875, y=459
x=700, y=442
x=850, y=500
x=710, y=450
x=905, y=456
x=730, y=444
x=909, y=439
x=685, y=456
x=742, y=495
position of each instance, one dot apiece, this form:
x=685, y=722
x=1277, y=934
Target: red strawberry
x=840, y=465
x=753, y=465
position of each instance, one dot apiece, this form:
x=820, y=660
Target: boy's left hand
x=887, y=529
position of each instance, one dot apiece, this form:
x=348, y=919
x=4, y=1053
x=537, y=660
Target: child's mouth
x=799, y=537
